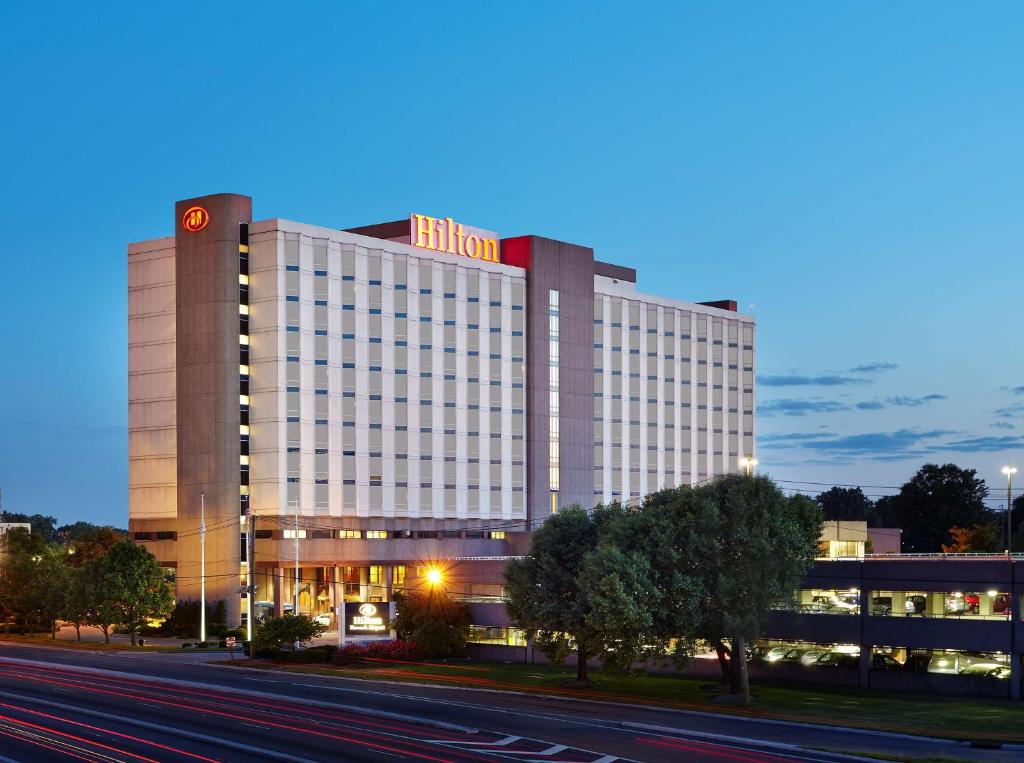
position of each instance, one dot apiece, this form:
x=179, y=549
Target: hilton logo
x=195, y=219
x=446, y=235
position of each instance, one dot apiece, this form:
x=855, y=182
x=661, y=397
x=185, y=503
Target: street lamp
x=1009, y=471
x=748, y=465
x=434, y=576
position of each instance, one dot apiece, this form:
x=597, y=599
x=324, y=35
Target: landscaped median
x=924, y=715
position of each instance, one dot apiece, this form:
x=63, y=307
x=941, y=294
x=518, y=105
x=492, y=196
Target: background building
x=389, y=398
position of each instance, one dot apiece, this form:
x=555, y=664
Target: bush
x=284, y=632
x=238, y=633
x=313, y=654
x=269, y=652
x=432, y=621
x=398, y=650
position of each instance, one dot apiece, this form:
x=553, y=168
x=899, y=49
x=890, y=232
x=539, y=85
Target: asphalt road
x=59, y=704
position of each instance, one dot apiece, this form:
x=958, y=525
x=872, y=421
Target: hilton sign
x=442, y=234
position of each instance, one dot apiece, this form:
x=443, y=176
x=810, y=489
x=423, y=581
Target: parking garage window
x=817, y=601
x=988, y=604
x=941, y=661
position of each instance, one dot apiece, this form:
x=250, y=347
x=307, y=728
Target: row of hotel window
x=990, y=604
x=328, y=534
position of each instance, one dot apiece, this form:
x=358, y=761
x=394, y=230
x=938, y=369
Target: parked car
x=323, y=619
x=811, y=656
x=962, y=604
x=884, y=662
x=943, y=663
x=847, y=602
x=1001, y=605
x=837, y=660
x=776, y=653
x=993, y=669
x=916, y=604
x=795, y=655
x=881, y=605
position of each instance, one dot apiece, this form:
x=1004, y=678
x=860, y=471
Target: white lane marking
x=499, y=743
x=170, y=730
x=248, y=692
x=552, y=750
x=9, y=760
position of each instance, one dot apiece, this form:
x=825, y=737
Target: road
x=60, y=704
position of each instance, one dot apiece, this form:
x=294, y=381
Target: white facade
x=673, y=391
x=152, y=424
x=385, y=380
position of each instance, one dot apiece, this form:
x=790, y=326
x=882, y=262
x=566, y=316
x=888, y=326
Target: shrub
x=438, y=625
x=283, y=632
x=398, y=650
x=313, y=654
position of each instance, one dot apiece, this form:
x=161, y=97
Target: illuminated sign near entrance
x=367, y=618
x=442, y=234
x=195, y=219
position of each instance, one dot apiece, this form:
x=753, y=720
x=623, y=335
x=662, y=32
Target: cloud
x=875, y=446
x=793, y=407
x=798, y=380
x=985, y=444
x=1011, y=411
x=913, y=402
x=1002, y=425
x=1017, y=390
x=873, y=368
x=870, y=405
x=788, y=439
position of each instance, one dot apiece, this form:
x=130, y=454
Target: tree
x=765, y=541
x=286, y=632
x=432, y=621
x=84, y=541
x=934, y=500
x=79, y=602
x=544, y=591
x=43, y=526
x=981, y=538
x=130, y=588
x=847, y=504
x=26, y=573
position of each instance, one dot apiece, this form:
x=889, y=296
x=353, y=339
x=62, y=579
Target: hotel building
x=381, y=399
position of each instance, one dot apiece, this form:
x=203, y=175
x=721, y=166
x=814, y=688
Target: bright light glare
x=1008, y=470
x=434, y=576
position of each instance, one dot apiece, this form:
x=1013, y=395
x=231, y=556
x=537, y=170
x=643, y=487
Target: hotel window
x=398, y=575
x=376, y=534
x=553, y=397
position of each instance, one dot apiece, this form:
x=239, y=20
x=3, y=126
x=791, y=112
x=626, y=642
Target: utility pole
x=1009, y=471
x=202, y=567
x=250, y=574
x=295, y=605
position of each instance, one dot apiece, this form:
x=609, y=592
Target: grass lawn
x=930, y=715
x=45, y=640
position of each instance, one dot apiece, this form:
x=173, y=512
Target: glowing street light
x=1009, y=471
x=748, y=465
x=434, y=576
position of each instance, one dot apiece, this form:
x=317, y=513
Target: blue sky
x=851, y=173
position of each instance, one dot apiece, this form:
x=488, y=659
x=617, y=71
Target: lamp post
x=748, y=465
x=1009, y=471
x=202, y=567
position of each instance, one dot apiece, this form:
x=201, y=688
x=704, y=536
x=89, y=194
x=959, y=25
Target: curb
x=261, y=694
x=658, y=708
x=785, y=746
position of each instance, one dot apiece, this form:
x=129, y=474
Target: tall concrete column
x=207, y=388
x=388, y=572
x=364, y=583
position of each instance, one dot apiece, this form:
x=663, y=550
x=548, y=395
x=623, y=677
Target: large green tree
x=762, y=543
x=130, y=588
x=847, y=504
x=545, y=595
x=26, y=578
x=433, y=621
x=934, y=500
x=43, y=526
